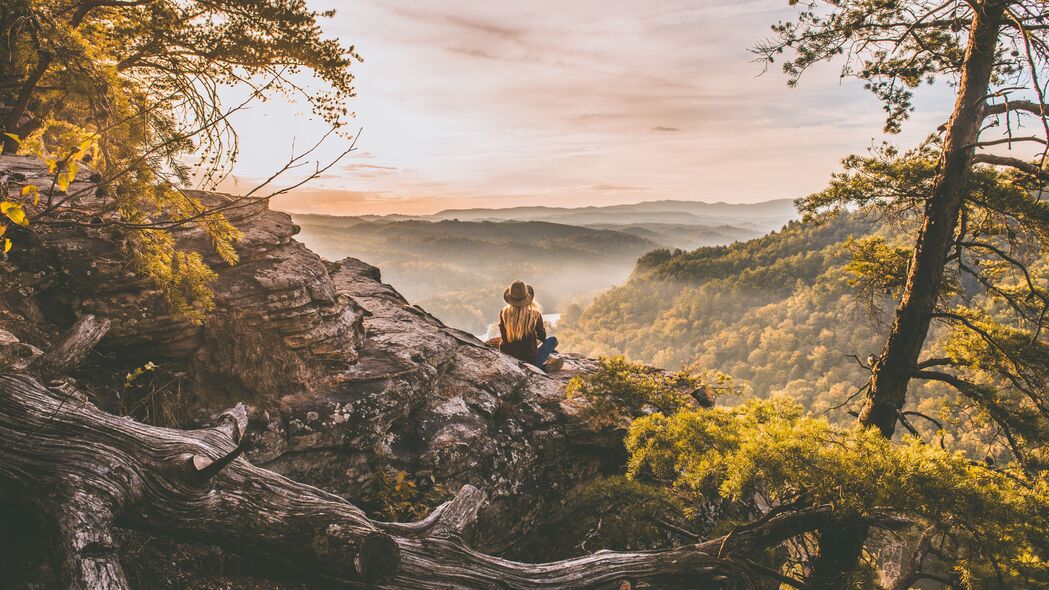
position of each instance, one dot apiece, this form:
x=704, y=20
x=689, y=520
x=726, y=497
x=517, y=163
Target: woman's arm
x=540, y=329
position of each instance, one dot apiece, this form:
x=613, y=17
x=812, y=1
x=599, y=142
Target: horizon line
x=549, y=207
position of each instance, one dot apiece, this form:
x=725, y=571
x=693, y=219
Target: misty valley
x=456, y=263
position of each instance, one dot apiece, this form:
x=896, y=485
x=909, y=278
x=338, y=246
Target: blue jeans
x=548, y=346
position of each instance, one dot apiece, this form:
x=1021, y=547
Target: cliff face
x=344, y=378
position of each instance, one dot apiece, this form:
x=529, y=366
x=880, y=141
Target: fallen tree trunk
x=101, y=471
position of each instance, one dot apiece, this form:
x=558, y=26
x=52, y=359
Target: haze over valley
x=456, y=263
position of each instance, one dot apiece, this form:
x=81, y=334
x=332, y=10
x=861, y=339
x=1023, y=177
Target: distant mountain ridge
x=763, y=217
x=457, y=238
x=457, y=262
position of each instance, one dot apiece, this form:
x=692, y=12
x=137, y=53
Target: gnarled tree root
x=90, y=471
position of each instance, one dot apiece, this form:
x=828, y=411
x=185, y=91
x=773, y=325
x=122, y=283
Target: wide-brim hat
x=519, y=294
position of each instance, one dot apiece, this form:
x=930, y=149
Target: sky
x=568, y=103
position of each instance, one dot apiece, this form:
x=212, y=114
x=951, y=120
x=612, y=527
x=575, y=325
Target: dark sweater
x=526, y=349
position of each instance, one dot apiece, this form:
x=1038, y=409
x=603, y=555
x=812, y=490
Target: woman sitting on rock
x=522, y=330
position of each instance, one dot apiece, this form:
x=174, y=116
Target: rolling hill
x=456, y=263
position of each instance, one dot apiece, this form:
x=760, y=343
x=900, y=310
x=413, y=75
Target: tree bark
x=86, y=553
x=102, y=471
x=840, y=547
x=892, y=372
x=77, y=343
x=21, y=105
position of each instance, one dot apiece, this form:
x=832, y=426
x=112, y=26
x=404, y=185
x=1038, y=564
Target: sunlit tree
x=131, y=89
x=957, y=522
x=973, y=192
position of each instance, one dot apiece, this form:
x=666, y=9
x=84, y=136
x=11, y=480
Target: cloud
x=615, y=188
x=575, y=103
x=465, y=22
x=473, y=52
x=365, y=170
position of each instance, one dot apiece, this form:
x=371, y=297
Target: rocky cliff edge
x=345, y=381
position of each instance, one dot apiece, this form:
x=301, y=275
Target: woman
x=522, y=330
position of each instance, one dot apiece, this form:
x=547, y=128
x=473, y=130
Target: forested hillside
x=779, y=313
x=758, y=217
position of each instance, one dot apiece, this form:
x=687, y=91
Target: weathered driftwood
x=101, y=471
x=74, y=347
x=90, y=471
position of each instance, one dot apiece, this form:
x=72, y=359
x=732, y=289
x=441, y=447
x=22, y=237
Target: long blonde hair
x=520, y=321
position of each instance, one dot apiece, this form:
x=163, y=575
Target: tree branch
x=935, y=362
x=136, y=473
x=1009, y=140
x=77, y=343
x=995, y=160
x=1016, y=105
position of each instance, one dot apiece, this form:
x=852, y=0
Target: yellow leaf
x=14, y=137
x=3, y=229
x=72, y=170
x=7, y=245
x=62, y=181
x=32, y=189
x=14, y=212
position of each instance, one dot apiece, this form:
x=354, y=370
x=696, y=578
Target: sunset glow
x=584, y=103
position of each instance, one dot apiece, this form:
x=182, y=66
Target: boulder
x=279, y=326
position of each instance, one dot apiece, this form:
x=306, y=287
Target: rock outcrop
x=279, y=326
x=439, y=405
x=346, y=381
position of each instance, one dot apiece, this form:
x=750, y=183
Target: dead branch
x=77, y=343
x=1016, y=105
x=104, y=471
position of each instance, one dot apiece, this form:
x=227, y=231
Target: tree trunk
x=101, y=471
x=892, y=372
x=20, y=107
x=840, y=546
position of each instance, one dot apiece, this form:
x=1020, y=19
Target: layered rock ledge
x=345, y=380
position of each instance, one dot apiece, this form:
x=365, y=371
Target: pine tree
x=981, y=224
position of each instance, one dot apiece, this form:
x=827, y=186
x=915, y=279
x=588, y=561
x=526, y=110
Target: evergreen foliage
x=992, y=524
